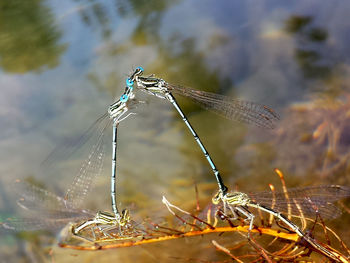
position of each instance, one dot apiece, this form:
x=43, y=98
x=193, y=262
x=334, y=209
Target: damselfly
x=301, y=202
x=238, y=110
x=82, y=182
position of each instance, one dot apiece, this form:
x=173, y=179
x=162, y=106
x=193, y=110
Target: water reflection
x=150, y=14
x=272, y=53
x=29, y=38
x=95, y=15
x=311, y=51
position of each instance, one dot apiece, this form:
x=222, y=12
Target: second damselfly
x=233, y=109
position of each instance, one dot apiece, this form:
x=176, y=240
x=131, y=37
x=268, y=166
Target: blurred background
x=62, y=63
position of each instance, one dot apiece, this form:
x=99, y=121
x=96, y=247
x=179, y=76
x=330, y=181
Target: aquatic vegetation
x=270, y=239
x=318, y=130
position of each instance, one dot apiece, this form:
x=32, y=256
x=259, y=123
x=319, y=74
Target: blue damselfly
x=238, y=110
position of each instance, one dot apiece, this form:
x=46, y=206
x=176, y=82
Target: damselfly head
x=138, y=72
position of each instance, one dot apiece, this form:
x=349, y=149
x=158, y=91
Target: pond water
x=64, y=62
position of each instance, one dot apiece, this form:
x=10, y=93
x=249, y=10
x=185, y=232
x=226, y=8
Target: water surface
x=62, y=64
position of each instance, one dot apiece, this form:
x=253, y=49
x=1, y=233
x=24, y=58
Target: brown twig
x=266, y=231
x=225, y=250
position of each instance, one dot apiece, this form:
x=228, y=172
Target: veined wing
x=305, y=200
x=237, y=110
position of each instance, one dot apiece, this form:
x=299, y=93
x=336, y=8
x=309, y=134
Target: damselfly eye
x=140, y=69
x=124, y=98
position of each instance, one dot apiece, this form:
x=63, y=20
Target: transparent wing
x=90, y=168
x=237, y=110
x=31, y=224
x=34, y=198
x=65, y=150
x=93, y=140
x=43, y=210
x=310, y=200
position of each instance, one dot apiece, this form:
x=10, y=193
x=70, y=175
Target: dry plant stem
x=51, y=254
x=202, y=221
x=324, y=229
x=288, y=252
x=273, y=241
x=261, y=217
x=208, y=216
x=302, y=217
x=340, y=258
x=347, y=209
x=199, y=227
x=197, y=203
x=156, y=228
x=239, y=245
x=339, y=239
x=287, y=249
x=266, y=231
x=171, y=230
x=260, y=250
x=225, y=250
x=169, y=205
x=284, y=187
x=197, y=198
x=188, y=223
x=322, y=249
x=335, y=235
x=273, y=203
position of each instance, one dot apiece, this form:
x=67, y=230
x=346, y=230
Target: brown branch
x=225, y=250
x=267, y=231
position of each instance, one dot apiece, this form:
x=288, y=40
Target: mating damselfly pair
x=238, y=203
x=239, y=110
